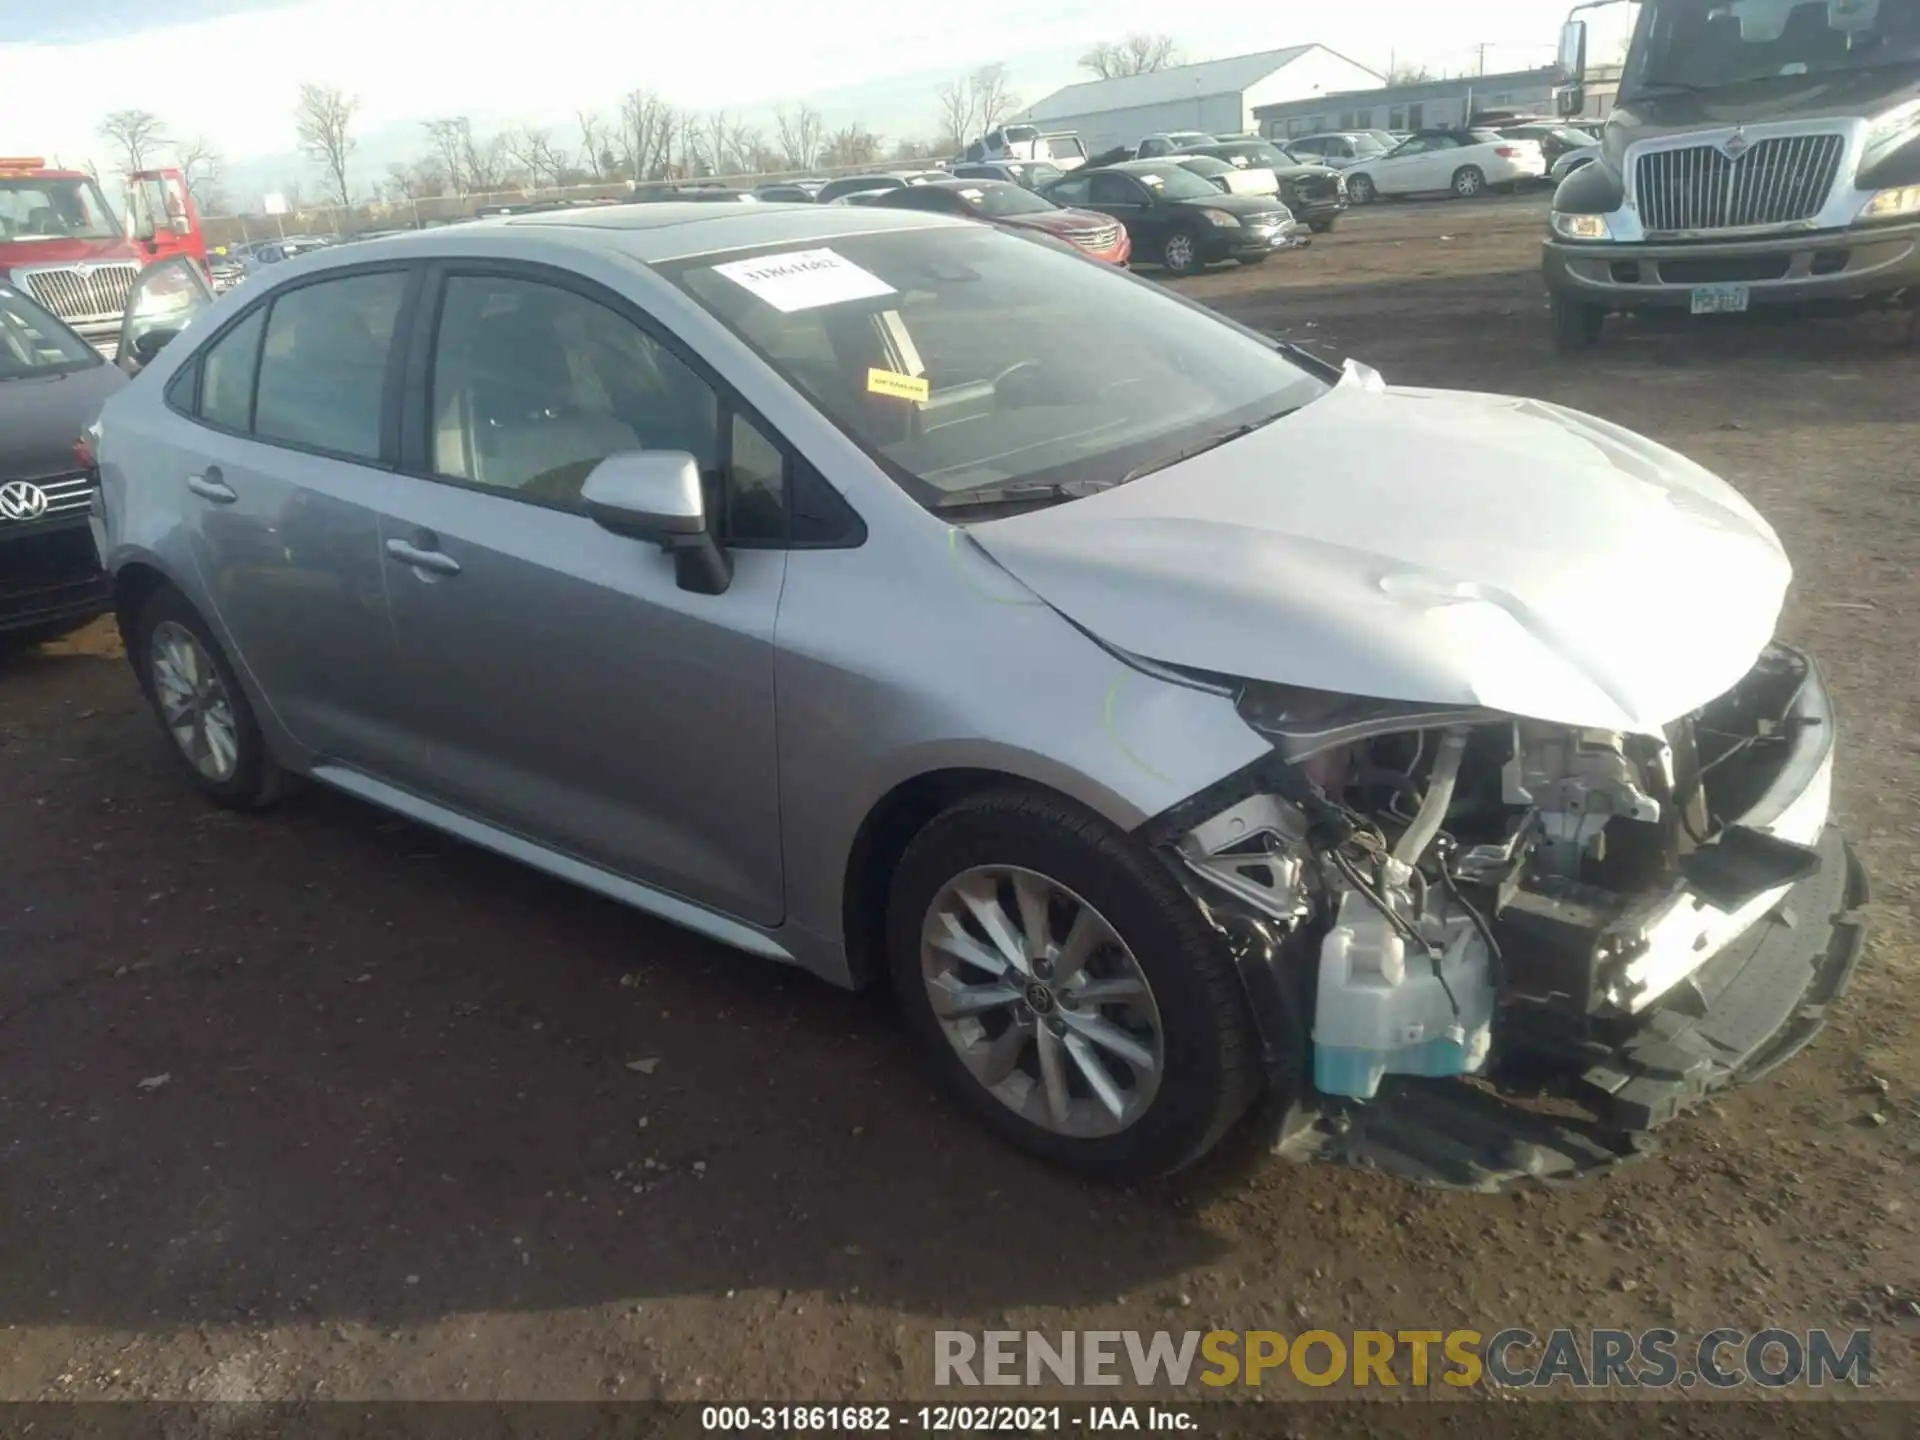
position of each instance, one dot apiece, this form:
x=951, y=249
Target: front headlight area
x=1569, y=226
x=1437, y=884
x=1900, y=203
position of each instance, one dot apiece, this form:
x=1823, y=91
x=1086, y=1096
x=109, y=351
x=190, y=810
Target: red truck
x=61, y=242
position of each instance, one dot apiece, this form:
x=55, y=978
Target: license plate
x=1721, y=299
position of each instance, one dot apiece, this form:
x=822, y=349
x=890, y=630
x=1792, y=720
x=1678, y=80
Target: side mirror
x=1573, y=101
x=1572, y=62
x=180, y=225
x=655, y=495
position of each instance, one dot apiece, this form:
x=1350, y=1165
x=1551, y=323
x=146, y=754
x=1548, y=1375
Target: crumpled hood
x=1426, y=545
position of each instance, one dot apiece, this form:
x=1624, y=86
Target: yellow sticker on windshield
x=901, y=387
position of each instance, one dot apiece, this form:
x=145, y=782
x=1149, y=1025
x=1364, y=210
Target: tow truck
x=63, y=245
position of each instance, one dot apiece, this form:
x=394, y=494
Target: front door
x=282, y=478
x=557, y=681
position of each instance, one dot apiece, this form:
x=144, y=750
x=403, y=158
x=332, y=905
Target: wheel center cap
x=1039, y=998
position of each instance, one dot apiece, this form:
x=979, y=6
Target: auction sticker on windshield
x=903, y=387
x=804, y=279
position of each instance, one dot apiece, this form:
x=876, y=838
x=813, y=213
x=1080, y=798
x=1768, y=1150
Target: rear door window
x=226, y=374
x=323, y=365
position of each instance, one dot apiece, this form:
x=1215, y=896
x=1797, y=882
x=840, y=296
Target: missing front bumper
x=1755, y=1005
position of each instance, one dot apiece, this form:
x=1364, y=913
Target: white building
x=1216, y=96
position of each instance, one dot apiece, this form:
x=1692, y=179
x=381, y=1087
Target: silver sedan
x=1169, y=714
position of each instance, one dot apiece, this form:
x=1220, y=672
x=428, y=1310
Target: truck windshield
x=1707, y=44
x=47, y=209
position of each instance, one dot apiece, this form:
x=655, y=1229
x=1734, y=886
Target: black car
x=1028, y=174
x=1315, y=193
x=790, y=192
x=1175, y=218
x=52, y=385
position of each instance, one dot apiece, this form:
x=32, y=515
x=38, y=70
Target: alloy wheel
x=1179, y=254
x=193, y=700
x=1042, y=1000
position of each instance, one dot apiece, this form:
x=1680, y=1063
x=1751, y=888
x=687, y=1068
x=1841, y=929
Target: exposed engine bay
x=1453, y=894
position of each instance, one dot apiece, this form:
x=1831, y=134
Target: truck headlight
x=1889, y=204
x=1581, y=227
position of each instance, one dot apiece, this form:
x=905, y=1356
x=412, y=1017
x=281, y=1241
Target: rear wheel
x=1576, y=326
x=201, y=706
x=1360, y=190
x=1064, y=987
x=1469, y=181
x=1180, y=253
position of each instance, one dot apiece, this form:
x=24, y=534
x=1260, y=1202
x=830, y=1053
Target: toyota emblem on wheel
x=21, y=501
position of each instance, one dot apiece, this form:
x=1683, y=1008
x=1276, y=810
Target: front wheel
x=1469, y=181
x=1066, y=989
x=201, y=706
x=1360, y=190
x=1320, y=227
x=1180, y=253
x=1576, y=326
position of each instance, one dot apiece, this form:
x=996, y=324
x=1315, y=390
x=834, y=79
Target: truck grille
x=98, y=294
x=1777, y=182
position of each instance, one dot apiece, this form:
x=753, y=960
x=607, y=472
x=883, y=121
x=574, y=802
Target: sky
x=229, y=69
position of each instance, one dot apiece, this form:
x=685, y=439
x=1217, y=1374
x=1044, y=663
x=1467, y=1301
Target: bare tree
x=851, y=145
x=449, y=139
x=322, y=117
x=800, y=134
x=532, y=149
x=200, y=163
x=1138, y=54
x=138, y=135
x=1410, y=73
x=975, y=104
x=593, y=142
x=483, y=162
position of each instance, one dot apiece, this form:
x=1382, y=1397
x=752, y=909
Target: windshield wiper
x=1021, y=492
x=1212, y=442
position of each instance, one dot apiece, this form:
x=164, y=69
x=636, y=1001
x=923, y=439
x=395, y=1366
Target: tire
x=1576, y=326
x=16, y=641
x=247, y=779
x=1469, y=182
x=1321, y=227
x=1180, y=254
x=1207, y=1069
x=1251, y=260
x=1360, y=190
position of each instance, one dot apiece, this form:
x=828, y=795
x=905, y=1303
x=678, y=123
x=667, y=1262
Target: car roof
x=669, y=230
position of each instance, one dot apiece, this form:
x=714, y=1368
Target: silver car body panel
x=549, y=741
x=1476, y=550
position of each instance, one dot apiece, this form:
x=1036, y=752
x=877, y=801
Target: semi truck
x=64, y=245
x=1759, y=153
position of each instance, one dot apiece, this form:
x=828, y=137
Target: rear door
x=288, y=425
x=556, y=681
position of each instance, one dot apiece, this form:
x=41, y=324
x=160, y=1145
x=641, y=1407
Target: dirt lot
x=321, y=1104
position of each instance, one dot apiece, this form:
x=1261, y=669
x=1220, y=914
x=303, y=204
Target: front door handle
x=437, y=561
x=209, y=486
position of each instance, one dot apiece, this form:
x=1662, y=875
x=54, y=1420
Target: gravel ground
x=320, y=1104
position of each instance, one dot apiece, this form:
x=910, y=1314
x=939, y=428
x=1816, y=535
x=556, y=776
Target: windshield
x=1174, y=182
x=959, y=359
x=1207, y=165
x=43, y=209
x=34, y=343
x=1705, y=44
x=1001, y=198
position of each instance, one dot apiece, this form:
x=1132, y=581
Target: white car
x=1460, y=162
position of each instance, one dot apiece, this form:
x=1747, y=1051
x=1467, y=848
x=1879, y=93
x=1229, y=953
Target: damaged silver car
x=1177, y=721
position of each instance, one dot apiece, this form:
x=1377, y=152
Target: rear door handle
x=437, y=561
x=209, y=486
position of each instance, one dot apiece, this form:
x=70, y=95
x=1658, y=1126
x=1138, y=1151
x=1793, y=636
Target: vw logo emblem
x=1737, y=145
x=21, y=501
